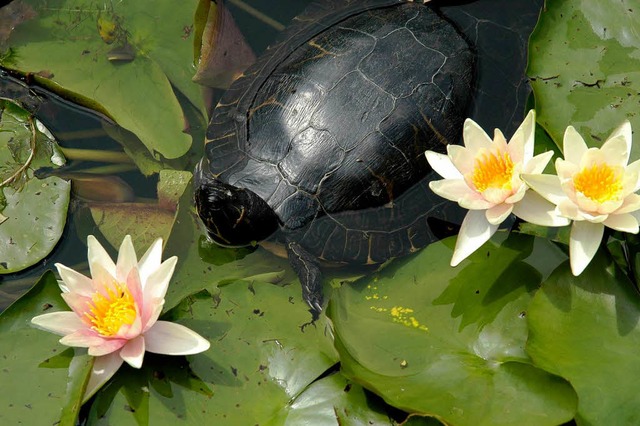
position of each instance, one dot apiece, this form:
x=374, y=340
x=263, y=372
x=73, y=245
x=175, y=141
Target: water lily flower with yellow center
x=115, y=312
x=483, y=176
x=595, y=188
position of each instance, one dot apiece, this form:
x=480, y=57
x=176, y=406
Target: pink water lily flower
x=595, y=188
x=115, y=312
x=483, y=176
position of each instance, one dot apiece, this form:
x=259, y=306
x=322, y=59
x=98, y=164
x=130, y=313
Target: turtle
x=317, y=150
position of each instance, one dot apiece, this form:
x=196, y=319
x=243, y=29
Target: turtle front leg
x=306, y=268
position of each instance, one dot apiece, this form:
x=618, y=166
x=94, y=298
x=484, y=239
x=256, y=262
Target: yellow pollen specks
x=599, y=182
x=109, y=313
x=398, y=314
x=492, y=170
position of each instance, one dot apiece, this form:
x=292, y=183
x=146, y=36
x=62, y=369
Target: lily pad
x=449, y=343
x=122, y=58
x=259, y=361
x=584, y=67
x=34, y=210
x=586, y=330
x=35, y=363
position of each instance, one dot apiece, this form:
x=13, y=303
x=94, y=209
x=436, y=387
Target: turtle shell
x=330, y=126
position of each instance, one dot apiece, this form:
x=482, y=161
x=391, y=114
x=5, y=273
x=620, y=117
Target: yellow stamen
x=109, y=313
x=599, y=182
x=493, y=170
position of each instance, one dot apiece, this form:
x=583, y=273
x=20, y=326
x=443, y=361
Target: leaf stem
x=257, y=14
x=103, y=156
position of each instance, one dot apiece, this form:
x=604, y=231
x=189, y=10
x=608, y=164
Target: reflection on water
x=498, y=28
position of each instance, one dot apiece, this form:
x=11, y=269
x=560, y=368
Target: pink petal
x=622, y=223
x=174, y=339
x=497, y=214
x=97, y=255
x=474, y=137
x=107, y=346
x=535, y=209
x=102, y=279
x=151, y=314
x=474, y=232
x=79, y=304
x=83, y=338
x=583, y=244
x=60, y=323
x=150, y=261
x=573, y=146
x=75, y=281
x=442, y=165
x=104, y=368
x=126, y=259
x=133, y=352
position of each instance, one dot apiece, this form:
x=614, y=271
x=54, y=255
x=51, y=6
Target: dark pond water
x=498, y=28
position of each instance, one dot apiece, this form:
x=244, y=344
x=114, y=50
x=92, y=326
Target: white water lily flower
x=115, y=312
x=484, y=177
x=595, y=188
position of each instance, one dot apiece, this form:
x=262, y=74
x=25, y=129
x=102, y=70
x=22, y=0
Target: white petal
x=583, y=244
x=615, y=152
x=537, y=164
x=635, y=169
x=546, y=185
x=497, y=214
x=623, y=132
x=566, y=170
x=133, y=352
x=174, y=339
x=104, y=368
x=500, y=142
x=74, y=281
x=60, y=323
x=522, y=140
x=569, y=209
x=150, y=261
x=442, y=165
x=631, y=203
x=126, y=259
x=158, y=282
x=474, y=137
x=97, y=255
x=453, y=189
x=475, y=203
x=535, y=209
x=573, y=146
x=622, y=223
x=474, y=232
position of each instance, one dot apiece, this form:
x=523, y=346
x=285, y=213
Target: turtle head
x=233, y=216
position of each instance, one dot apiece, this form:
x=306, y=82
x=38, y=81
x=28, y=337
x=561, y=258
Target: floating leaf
x=35, y=363
x=145, y=222
x=435, y=340
x=586, y=330
x=122, y=58
x=584, y=66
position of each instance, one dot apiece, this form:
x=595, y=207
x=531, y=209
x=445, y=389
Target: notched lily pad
x=34, y=211
x=449, y=343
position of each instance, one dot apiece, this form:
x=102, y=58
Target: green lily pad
x=123, y=58
x=36, y=365
x=584, y=63
x=586, y=330
x=259, y=360
x=449, y=343
x=35, y=219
